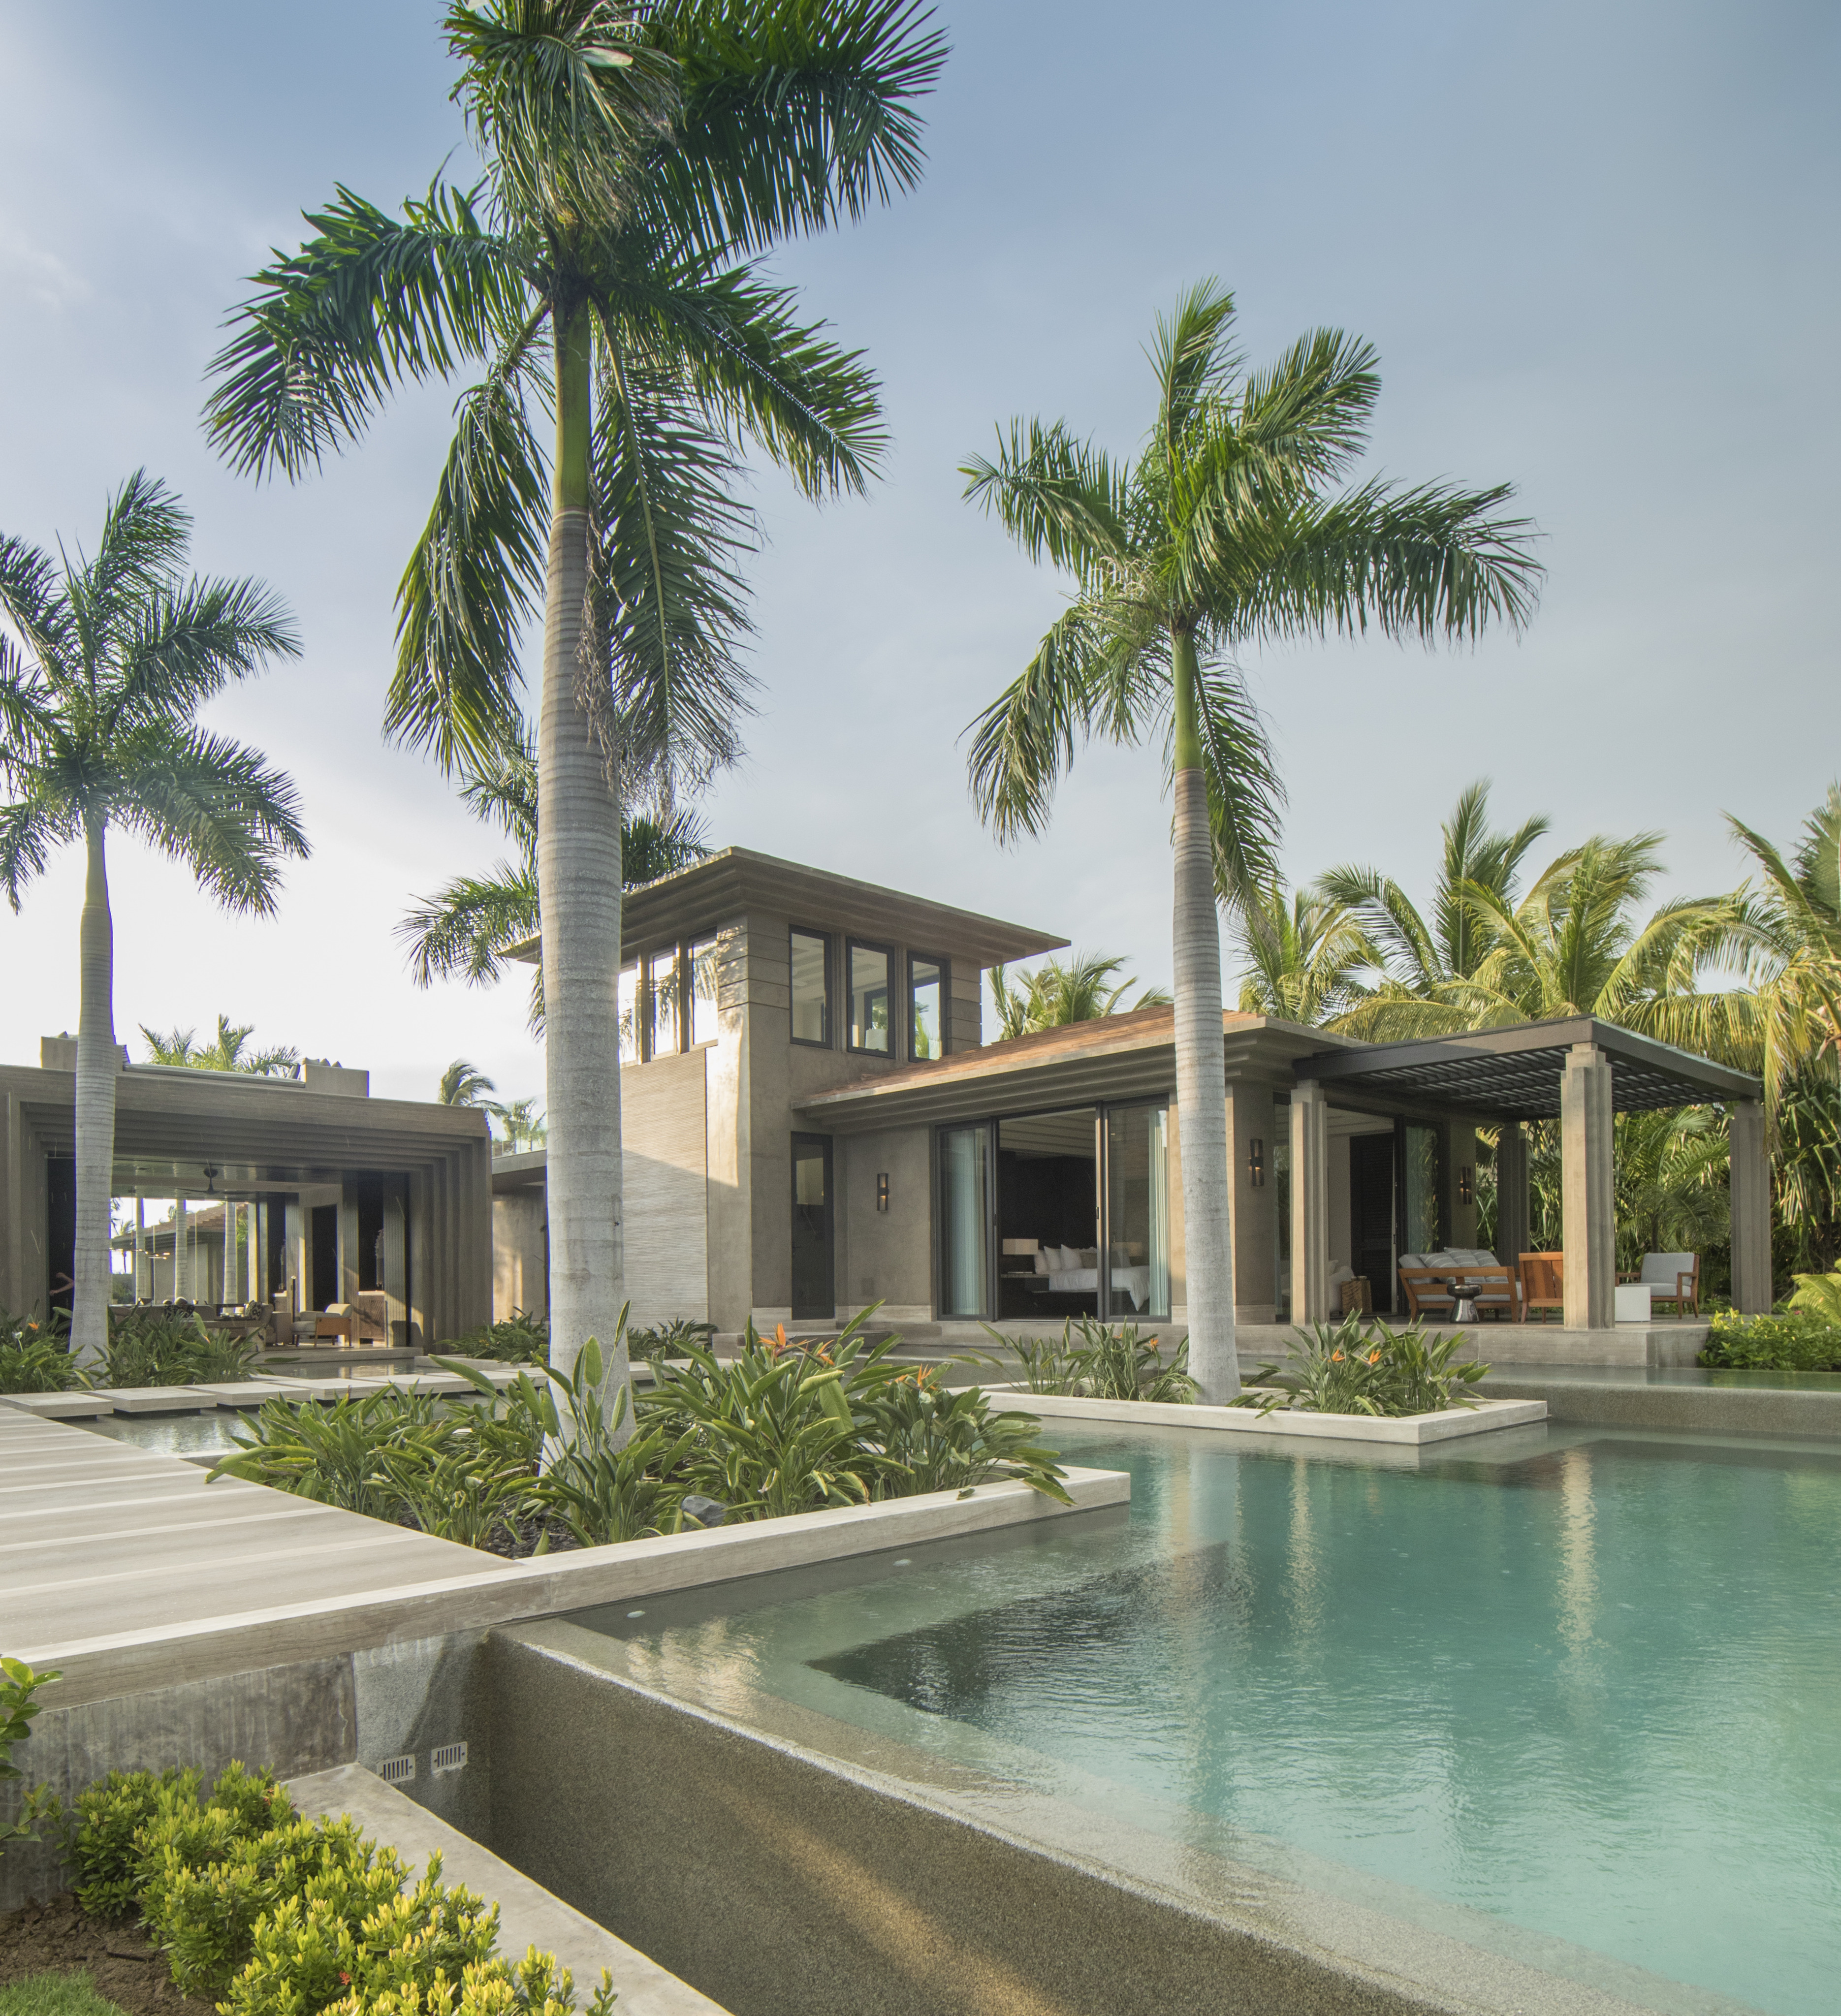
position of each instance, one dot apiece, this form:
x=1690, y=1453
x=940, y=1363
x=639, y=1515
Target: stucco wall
x=664, y=1136
x=521, y=1268
x=886, y=1257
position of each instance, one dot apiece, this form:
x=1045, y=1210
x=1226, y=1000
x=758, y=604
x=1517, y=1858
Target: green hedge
x=1792, y=1341
x=269, y=1914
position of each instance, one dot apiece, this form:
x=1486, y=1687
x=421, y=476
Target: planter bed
x=1412, y=1429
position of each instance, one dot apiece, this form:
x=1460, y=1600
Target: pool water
x=1586, y=1683
x=206, y=1434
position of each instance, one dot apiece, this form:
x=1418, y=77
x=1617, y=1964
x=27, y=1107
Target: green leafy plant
x=520, y=1339
x=348, y=1453
x=1109, y=1363
x=1344, y=1369
x=18, y=1686
x=152, y=1348
x=947, y=1441
x=35, y=1357
x=1819, y=1295
x=671, y=1340
x=1792, y=1339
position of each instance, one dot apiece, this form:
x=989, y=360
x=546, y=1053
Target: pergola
x=1579, y=1070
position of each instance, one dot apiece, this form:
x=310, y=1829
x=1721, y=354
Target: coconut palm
x=463, y=1084
x=226, y=1052
x=1421, y=958
x=523, y=1124
x=1225, y=532
x=469, y=927
x=1303, y=955
x=1055, y=995
x=637, y=158
x=106, y=667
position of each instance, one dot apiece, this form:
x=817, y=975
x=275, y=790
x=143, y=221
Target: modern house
x=812, y=1124
x=304, y=1188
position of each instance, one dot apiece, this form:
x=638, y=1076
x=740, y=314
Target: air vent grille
x=448, y=1757
x=396, y=1770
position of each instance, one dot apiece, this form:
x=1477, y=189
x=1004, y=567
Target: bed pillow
x=1088, y=1256
x=1040, y=1256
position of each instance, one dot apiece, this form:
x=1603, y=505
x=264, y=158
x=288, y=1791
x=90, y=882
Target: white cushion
x=1412, y=1260
x=1662, y=1268
x=1041, y=1259
x=1341, y=1271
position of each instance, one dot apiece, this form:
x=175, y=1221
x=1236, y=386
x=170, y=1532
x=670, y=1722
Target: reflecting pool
x=1583, y=1683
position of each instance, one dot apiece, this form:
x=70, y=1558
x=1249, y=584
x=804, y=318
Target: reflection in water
x=1578, y=1575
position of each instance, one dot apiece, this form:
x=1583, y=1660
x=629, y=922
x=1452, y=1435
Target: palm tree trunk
x=578, y=895
x=96, y=1058
x=1201, y=1081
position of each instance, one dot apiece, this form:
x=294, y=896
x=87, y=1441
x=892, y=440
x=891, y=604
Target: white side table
x=1633, y=1302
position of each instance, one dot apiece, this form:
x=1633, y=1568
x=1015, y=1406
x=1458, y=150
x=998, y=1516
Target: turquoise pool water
x=1585, y=1684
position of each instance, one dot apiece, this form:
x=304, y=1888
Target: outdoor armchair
x=1670, y=1277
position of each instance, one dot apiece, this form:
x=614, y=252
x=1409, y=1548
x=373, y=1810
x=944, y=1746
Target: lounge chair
x=1669, y=1277
x=1544, y=1284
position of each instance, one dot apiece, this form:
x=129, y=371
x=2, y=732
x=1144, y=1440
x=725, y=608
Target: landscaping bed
x=59, y=1937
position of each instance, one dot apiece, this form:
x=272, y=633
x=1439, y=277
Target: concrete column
x=1511, y=1193
x=1589, y=1239
x=1251, y=1211
x=1751, y=1209
x=182, y=1267
x=1310, y=1204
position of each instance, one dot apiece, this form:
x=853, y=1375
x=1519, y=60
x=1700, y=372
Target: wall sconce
x=1466, y=1184
x=881, y=1192
x=1256, y=1163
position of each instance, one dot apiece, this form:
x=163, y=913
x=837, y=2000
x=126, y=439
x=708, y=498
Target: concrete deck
x=126, y=1570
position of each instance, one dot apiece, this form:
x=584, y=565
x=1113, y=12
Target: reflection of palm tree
x=100, y=685
x=1054, y=995
x=523, y=1124
x=636, y=161
x=471, y=923
x=463, y=1084
x=1224, y=532
x=225, y=1053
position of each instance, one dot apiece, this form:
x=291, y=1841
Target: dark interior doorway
x=814, y=1291
x=370, y=1231
x=1371, y=1213
x=60, y=1244
x=1048, y=1210
x=325, y=1255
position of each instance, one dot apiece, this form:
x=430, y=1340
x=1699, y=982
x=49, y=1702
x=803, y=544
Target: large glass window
x=629, y=1013
x=1137, y=1212
x=927, y=1005
x=663, y=998
x=1420, y=1230
x=705, y=975
x=965, y=1221
x=869, y=999
x=811, y=988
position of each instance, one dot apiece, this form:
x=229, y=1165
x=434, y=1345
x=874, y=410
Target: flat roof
x=1110, y=1057
x=723, y=886
x=1514, y=1073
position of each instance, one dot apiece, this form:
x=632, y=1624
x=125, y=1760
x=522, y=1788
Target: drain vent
x=449, y=1757
x=396, y=1770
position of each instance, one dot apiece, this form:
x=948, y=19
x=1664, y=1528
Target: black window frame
x=888, y=951
x=945, y=968
x=824, y=939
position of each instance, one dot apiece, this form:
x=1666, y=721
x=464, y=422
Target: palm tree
x=463, y=1084
x=470, y=924
x=1301, y=953
x=1420, y=959
x=1054, y=995
x=108, y=663
x=1222, y=533
x=523, y=1124
x=225, y=1053
x=636, y=159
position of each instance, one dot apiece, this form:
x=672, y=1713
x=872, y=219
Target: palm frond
x=467, y=926
x=366, y=305
x=786, y=130
x=1193, y=361
x=32, y=597
x=184, y=643
x=1246, y=794
x=218, y=807
x=29, y=829
x=1060, y=499
x=1025, y=739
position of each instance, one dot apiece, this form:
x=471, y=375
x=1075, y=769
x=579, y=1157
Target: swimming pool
x=1568, y=1693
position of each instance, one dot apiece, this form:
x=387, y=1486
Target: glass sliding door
x=1137, y=1236
x=965, y=1221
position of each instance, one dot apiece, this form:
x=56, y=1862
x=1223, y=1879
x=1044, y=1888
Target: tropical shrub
x=520, y=1339
x=1819, y=1295
x=670, y=1340
x=34, y=1357
x=157, y=1348
x=1344, y=1369
x=270, y=1914
x=947, y=1441
x=1792, y=1339
x=18, y=1684
x=1108, y=1362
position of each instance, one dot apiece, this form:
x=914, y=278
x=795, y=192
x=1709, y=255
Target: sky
x=1595, y=246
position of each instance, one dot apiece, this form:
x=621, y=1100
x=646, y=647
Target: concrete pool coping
x=529, y=1914
x=126, y=1570
x=1413, y=1429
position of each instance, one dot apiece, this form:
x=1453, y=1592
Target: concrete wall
x=665, y=1162
x=886, y=1257
x=521, y=1255
x=1251, y=1213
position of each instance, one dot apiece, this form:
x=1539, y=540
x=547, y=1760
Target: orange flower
x=1373, y=1358
x=1335, y=1358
